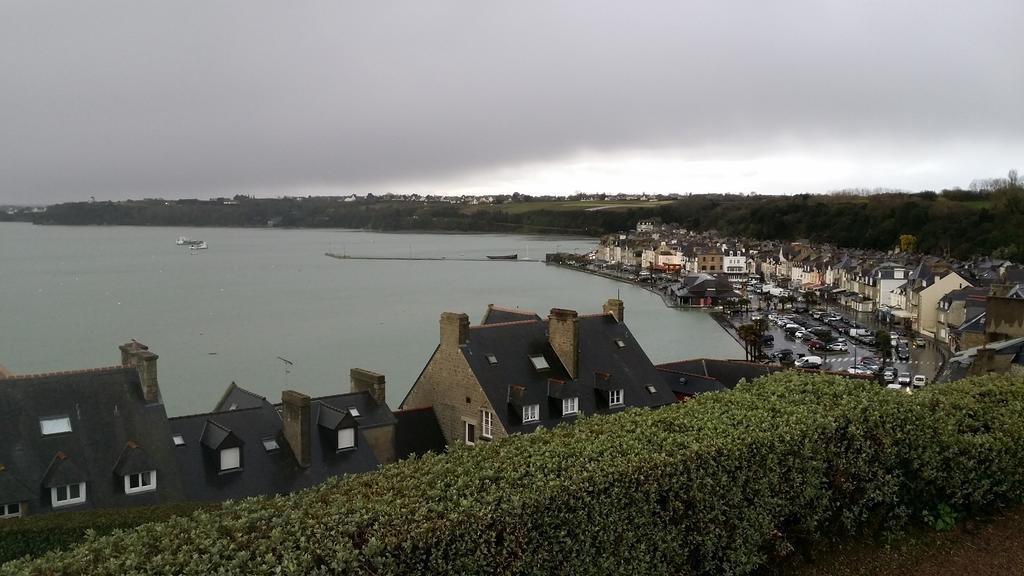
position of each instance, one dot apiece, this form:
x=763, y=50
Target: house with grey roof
x=515, y=372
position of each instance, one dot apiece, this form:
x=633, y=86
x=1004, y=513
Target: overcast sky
x=206, y=98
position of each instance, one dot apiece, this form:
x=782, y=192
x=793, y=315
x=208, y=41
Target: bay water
x=267, y=309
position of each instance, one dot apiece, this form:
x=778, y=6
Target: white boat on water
x=193, y=244
x=199, y=245
x=183, y=241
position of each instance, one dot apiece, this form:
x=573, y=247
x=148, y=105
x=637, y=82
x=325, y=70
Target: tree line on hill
x=956, y=223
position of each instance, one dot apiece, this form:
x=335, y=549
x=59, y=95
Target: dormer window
x=619, y=343
x=353, y=411
x=230, y=459
x=570, y=406
x=67, y=495
x=140, y=482
x=615, y=397
x=346, y=438
x=531, y=413
x=55, y=425
x=10, y=510
x=539, y=362
x=491, y=359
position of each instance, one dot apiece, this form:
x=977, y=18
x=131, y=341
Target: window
x=615, y=397
x=55, y=425
x=470, y=433
x=539, y=363
x=233, y=406
x=492, y=359
x=178, y=439
x=620, y=343
x=570, y=406
x=346, y=438
x=651, y=389
x=270, y=444
x=230, y=459
x=10, y=510
x=353, y=411
x=141, y=482
x=486, y=424
x=531, y=413
x=67, y=495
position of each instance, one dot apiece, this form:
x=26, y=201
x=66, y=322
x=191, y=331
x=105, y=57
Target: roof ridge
x=68, y=372
x=512, y=310
x=216, y=412
x=499, y=324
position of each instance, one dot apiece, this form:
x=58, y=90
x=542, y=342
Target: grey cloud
x=133, y=98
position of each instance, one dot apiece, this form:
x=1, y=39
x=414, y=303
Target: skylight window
x=270, y=445
x=539, y=362
x=492, y=359
x=651, y=388
x=178, y=439
x=353, y=411
x=55, y=425
x=620, y=343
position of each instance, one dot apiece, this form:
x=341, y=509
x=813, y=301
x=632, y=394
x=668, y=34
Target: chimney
x=564, y=337
x=297, y=425
x=615, y=307
x=454, y=329
x=366, y=381
x=138, y=355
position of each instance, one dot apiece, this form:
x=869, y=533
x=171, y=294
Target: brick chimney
x=454, y=329
x=297, y=425
x=366, y=381
x=138, y=355
x=564, y=337
x=615, y=307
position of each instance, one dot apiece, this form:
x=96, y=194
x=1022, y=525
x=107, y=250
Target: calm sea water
x=70, y=295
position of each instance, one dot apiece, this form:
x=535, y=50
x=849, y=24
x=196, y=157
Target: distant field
x=566, y=206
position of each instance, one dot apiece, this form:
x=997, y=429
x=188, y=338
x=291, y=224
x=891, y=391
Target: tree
x=811, y=298
x=908, y=242
x=752, y=336
x=883, y=341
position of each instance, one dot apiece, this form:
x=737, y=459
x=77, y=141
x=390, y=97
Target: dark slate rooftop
x=418, y=433
x=513, y=381
x=235, y=397
x=262, y=471
x=499, y=315
x=107, y=411
x=726, y=372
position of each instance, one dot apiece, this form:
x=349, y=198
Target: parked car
x=817, y=345
x=869, y=361
x=792, y=329
x=889, y=376
x=903, y=380
x=859, y=370
x=869, y=340
x=784, y=355
x=893, y=386
x=920, y=380
x=809, y=362
x=919, y=342
x=903, y=353
x=768, y=341
x=838, y=347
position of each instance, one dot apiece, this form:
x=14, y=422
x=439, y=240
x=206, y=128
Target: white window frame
x=346, y=438
x=226, y=459
x=616, y=397
x=56, y=424
x=57, y=502
x=5, y=510
x=486, y=424
x=465, y=432
x=570, y=406
x=531, y=413
x=146, y=480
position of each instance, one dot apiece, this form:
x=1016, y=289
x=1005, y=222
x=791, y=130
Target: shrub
x=719, y=485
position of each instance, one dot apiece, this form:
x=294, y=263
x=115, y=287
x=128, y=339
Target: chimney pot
x=367, y=381
x=297, y=425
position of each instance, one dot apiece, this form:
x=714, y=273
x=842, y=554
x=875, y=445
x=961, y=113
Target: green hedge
x=720, y=485
x=36, y=535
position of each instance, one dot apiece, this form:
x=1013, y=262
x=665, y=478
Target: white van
x=809, y=362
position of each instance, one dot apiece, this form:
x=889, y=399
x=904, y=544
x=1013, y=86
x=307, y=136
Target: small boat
x=183, y=241
x=505, y=257
x=198, y=245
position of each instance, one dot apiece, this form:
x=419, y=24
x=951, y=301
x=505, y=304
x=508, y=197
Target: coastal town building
x=516, y=372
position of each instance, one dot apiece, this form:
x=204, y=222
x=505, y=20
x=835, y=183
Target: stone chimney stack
x=366, y=381
x=616, y=308
x=564, y=337
x=297, y=425
x=138, y=355
x=454, y=329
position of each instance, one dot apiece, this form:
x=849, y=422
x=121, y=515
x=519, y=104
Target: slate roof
x=728, y=373
x=514, y=382
x=418, y=433
x=262, y=471
x=499, y=315
x=106, y=410
x=236, y=397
